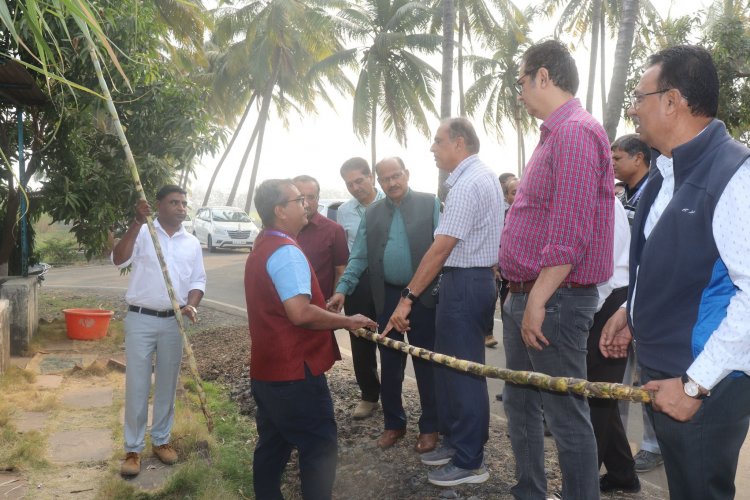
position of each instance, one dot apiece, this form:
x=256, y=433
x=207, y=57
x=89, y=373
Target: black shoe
x=606, y=485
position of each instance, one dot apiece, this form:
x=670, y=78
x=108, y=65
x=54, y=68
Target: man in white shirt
x=689, y=300
x=150, y=326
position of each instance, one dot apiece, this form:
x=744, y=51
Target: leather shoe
x=132, y=465
x=426, y=442
x=606, y=485
x=389, y=438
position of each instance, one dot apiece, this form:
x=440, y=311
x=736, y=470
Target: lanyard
x=279, y=234
x=632, y=201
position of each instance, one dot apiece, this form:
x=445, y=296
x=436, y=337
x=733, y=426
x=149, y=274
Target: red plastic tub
x=87, y=324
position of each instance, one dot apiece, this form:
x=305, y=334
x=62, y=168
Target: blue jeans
x=146, y=336
x=465, y=308
x=392, y=363
x=296, y=414
x=569, y=316
x=700, y=455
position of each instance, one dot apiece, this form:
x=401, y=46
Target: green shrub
x=59, y=251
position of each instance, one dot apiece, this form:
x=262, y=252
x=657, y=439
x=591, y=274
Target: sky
x=318, y=145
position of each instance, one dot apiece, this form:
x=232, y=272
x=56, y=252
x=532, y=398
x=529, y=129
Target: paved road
x=225, y=291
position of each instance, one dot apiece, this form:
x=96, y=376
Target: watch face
x=405, y=293
x=691, y=388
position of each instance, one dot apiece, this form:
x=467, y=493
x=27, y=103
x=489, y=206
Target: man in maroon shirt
x=322, y=240
x=556, y=246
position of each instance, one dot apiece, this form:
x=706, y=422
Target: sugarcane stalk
x=606, y=390
x=152, y=231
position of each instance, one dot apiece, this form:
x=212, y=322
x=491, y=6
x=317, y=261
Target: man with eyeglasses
x=393, y=237
x=150, y=326
x=462, y=257
x=361, y=185
x=322, y=239
x=689, y=297
x=556, y=247
x=293, y=345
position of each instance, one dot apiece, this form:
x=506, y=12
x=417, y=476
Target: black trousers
x=363, y=351
x=611, y=440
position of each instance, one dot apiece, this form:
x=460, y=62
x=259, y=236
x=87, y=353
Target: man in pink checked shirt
x=556, y=246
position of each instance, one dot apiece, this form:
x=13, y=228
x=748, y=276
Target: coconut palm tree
x=271, y=47
x=493, y=93
x=395, y=86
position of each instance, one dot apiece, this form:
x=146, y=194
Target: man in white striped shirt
x=465, y=249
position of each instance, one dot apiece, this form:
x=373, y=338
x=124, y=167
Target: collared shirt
x=184, y=258
x=473, y=214
x=563, y=212
x=397, y=268
x=324, y=243
x=350, y=214
x=728, y=347
x=620, y=274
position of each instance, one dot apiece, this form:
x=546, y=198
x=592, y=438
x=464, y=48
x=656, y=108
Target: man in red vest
x=292, y=346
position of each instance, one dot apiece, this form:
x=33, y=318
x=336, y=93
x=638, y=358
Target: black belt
x=150, y=312
x=448, y=269
x=526, y=286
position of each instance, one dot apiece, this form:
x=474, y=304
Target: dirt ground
x=221, y=346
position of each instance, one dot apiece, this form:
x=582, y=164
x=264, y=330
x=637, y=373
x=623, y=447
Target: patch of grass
x=15, y=378
x=46, y=333
x=21, y=451
x=52, y=303
x=36, y=400
x=56, y=331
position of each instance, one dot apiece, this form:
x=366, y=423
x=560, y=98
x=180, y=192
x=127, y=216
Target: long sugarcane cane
x=583, y=387
x=152, y=231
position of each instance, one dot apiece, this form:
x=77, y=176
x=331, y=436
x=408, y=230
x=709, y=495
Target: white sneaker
x=364, y=409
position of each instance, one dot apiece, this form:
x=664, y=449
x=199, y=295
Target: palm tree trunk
x=623, y=49
x=449, y=21
x=373, y=133
x=261, y=126
x=228, y=148
x=462, y=24
x=602, y=69
x=243, y=162
x=596, y=11
x=151, y=229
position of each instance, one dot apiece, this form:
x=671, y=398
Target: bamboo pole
x=606, y=390
x=152, y=231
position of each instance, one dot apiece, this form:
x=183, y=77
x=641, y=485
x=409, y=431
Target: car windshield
x=231, y=216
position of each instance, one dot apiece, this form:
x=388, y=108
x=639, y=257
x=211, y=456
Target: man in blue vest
x=689, y=296
x=393, y=237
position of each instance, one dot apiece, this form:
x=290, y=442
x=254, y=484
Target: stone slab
x=50, y=364
x=12, y=486
x=83, y=445
x=87, y=397
x=154, y=474
x=25, y=421
x=48, y=382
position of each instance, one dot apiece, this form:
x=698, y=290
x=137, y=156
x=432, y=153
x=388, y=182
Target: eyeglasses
x=300, y=200
x=636, y=98
x=519, y=84
x=391, y=178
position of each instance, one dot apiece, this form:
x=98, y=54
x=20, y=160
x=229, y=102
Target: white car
x=187, y=224
x=224, y=227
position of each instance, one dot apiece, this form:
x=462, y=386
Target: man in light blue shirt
x=361, y=184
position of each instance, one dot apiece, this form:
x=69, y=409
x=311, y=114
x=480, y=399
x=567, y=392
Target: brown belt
x=526, y=286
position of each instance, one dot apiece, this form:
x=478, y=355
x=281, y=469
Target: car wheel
x=211, y=248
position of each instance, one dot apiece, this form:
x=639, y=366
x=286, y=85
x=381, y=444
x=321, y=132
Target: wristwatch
x=407, y=294
x=692, y=388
